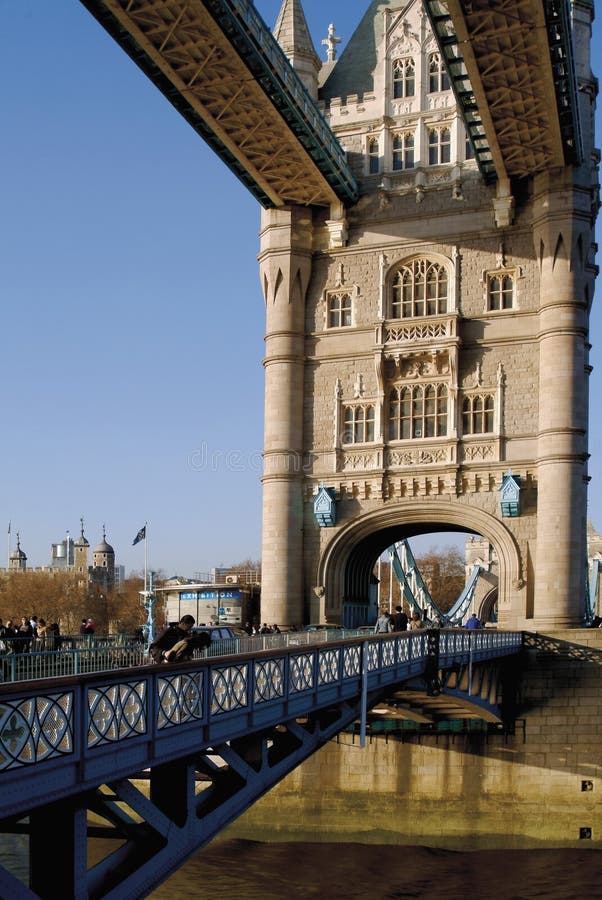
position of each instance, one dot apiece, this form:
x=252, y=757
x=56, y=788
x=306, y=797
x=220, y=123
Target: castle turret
x=292, y=34
x=103, y=563
x=18, y=559
x=81, y=548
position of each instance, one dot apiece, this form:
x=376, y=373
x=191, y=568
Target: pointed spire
x=330, y=43
x=292, y=33
x=82, y=541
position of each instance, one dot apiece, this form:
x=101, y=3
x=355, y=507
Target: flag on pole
x=141, y=536
x=9, y=526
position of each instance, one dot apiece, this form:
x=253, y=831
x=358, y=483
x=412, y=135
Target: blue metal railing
x=118, y=652
x=66, y=735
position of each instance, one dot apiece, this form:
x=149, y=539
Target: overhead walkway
x=510, y=65
x=416, y=593
x=221, y=68
x=213, y=737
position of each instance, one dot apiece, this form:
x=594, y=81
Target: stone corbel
x=503, y=206
x=337, y=226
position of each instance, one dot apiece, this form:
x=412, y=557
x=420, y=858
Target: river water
x=249, y=870
x=236, y=869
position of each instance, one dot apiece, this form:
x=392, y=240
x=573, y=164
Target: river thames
x=236, y=869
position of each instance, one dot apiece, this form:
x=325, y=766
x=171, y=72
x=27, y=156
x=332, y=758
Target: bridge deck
x=71, y=746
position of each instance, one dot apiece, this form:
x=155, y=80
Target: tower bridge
x=427, y=262
x=426, y=258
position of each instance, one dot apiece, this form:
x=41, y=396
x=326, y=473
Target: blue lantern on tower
x=510, y=495
x=325, y=507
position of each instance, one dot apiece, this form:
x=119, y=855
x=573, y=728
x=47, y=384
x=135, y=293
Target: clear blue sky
x=133, y=320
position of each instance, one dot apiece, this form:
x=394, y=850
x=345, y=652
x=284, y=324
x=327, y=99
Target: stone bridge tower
x=427, y=349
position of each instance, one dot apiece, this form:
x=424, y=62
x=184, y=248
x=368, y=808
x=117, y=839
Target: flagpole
x=145, y=558
x=8, y=552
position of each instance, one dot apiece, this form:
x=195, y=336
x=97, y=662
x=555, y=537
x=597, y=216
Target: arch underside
x=347, y=562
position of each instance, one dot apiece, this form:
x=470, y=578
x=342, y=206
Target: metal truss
x=219, y=65
x=507, y=59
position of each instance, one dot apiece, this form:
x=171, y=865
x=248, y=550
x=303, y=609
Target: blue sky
x=133, y=320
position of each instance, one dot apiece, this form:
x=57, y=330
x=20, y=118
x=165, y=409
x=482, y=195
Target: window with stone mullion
x=403, y=151
x=438, y=77
x=404, y=78
x=417, y=412
x=501, y=292
x=477, y=414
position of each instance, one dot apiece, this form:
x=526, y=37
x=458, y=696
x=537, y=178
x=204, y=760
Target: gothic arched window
x=477, y=414
x=500, y=291
x=373, y=157
x=358, y=424
x=420, y=288
x=418, y=411
x=439, y=146
x=403, y=151
x=339, y=310
x=404, y=78
x=438, y=77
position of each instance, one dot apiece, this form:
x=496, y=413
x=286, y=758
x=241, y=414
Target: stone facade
x=425, y=342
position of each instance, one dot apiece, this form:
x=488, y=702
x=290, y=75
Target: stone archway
x=347, y=561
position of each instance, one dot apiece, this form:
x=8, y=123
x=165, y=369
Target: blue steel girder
x=219, y=65
x=506, y=59
x=72, y=745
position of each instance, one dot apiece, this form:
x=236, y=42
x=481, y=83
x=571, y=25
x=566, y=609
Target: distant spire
x=331, y=43
x=292, y=33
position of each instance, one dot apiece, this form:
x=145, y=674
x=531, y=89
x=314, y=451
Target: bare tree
x=443, y=571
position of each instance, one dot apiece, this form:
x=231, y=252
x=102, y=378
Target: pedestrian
x=177, y=642
x=473, y=623
x=416, y=622
x=383, y=623
x=399, y=620
x=24, y=635
x=10, y=633
x=43, y=633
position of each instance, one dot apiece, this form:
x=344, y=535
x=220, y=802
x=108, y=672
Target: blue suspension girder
x=416, y=592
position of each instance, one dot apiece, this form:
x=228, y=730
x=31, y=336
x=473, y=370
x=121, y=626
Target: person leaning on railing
x=177, y=642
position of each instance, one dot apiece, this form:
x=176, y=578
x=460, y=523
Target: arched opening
x=346, y=568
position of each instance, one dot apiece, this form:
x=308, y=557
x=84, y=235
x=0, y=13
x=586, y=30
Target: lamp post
x=148, y=602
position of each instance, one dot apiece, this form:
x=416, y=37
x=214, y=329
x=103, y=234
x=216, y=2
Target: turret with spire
x=103, y=563
x=18, y=559
x=80, y=551
x=292, y=34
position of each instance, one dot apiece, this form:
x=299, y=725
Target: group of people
x=30, y=633
x=252, y=629
x=399, y=621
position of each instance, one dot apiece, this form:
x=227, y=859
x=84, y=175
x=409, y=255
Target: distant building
x=62, y=554
x=101, y=575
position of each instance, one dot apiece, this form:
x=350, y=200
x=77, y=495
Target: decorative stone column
x=562, y=223
x=285, y=267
